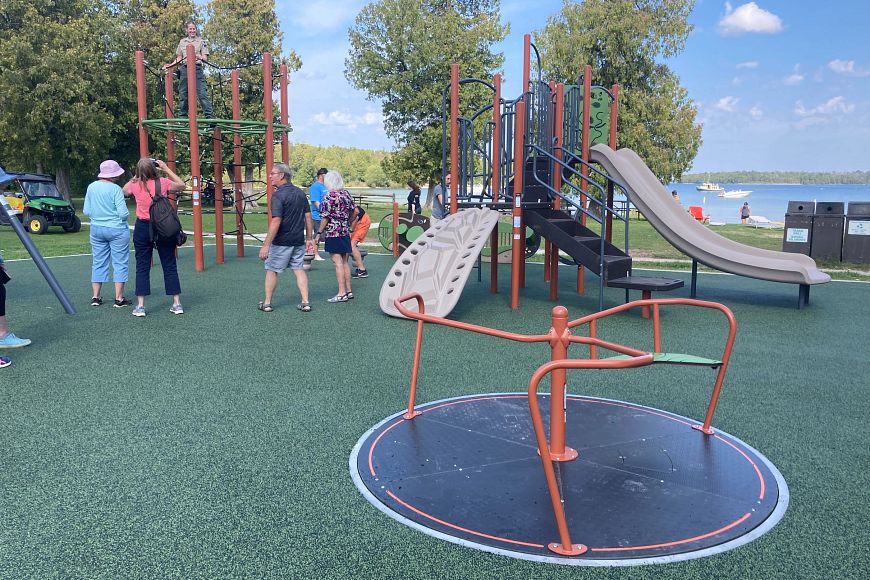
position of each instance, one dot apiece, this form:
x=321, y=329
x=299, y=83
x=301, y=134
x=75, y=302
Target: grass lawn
x=645, y=243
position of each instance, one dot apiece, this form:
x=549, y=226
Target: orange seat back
x=697, y=212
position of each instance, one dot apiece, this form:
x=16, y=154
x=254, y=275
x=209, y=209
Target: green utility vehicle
x=39, y=205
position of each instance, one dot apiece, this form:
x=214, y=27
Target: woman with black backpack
x=146, y=184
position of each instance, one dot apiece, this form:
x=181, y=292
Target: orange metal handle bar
x=565, y=546
x=423, y=317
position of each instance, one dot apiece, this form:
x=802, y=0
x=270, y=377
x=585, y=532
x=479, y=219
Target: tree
x=621, y=40
x=401, y=52
x=64, y=85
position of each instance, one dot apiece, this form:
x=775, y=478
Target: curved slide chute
x=682, y=231
x=438, y=263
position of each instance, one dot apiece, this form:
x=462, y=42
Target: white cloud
x=748, y=18
x=348, y=120
x=796, y=77
x=728, y=104
x=748, y=64
x=756, y=113
x=847, y=68
x=832, y=106
x=737, y=81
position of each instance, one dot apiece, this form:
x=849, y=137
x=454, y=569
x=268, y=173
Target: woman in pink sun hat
x=110, y=234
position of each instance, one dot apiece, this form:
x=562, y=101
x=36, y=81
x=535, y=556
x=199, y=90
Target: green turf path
x=215, y=444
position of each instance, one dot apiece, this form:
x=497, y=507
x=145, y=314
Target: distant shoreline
x=780, y=177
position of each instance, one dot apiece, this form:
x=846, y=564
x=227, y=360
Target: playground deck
x=216, y=444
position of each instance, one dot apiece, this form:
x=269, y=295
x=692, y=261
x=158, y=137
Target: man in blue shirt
x=441, y=200
x=316, y=193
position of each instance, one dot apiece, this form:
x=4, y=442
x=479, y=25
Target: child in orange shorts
x=359, y=224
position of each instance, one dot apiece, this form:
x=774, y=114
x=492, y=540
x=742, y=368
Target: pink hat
x=109, y=169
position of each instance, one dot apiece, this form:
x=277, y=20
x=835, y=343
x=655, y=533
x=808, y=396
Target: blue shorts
x=280, y=257
x=339, y=245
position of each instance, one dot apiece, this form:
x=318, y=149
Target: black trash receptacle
x=798, y=231
x=856, y=242
x=828, y=224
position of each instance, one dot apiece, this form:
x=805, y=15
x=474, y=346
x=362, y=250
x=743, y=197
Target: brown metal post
x=454, y=135
x=560, y=338
x=495, y=181
x=237, y=169
x=285, y=144
x=141, y=103
x=517, y=237
x=395, y=227
x=195, y=171
x=614, y=111
x=584, y=154
x=270, y=130
x=170, y=135
x=527, y=64
x=218, y=198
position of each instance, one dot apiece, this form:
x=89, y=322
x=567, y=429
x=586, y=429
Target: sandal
x=264, y=307
x=304, y=307
x=337, y=298
x=349, y=295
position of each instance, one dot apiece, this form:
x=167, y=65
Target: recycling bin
x=798, y=230
x=856, y=241
x=828, y=224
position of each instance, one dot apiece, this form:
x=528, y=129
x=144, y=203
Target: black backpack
x=164, y=220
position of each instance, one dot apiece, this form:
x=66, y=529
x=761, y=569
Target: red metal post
x=454, y=135
x=527, y=64
x=141, y=103
x=496, y=179
x=517, y=239
x=170, y=135
x=559, y=341
x=195, y=171
x=237, y=169
x=614, y=111
x=270, y=129
x=415, y=370
x=285, y=143
x=218, y=198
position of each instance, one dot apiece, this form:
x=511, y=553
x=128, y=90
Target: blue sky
x=780, y=85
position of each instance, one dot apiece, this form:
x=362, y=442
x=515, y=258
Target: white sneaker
x=176, y=309
x=139, y=311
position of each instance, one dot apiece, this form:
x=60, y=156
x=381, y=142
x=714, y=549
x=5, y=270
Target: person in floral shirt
x=335, y=213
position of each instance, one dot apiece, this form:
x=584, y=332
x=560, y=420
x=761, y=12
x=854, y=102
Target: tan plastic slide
x=438, y=263
x=695, y=240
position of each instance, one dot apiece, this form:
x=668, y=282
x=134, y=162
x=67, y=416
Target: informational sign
x=859, y=228
x=797, y=235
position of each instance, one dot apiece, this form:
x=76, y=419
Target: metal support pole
x=285, y=144
x=237, y=168
x=270, y=129
x=142, y=108
x=168, y=113
x=195, y=171
x=559, y=341
x=454, y=136
x=517, y=239
x=495, y=183
x=218, y=198
x=614, y=112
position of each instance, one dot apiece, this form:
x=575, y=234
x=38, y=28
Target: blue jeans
x=144, y=252
x=108, y=243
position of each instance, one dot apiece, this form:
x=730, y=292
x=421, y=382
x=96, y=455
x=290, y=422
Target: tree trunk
x=62, y=182
x=248, y=188
x=429, y=196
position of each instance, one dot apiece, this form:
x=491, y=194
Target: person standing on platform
x=200, y=51
x=289, y=236
x=316, y=192
x=745, y=212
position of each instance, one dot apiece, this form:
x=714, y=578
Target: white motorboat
x=735, y=193
x=707, y=186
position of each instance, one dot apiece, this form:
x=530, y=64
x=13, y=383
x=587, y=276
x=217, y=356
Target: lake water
x=768, y=200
